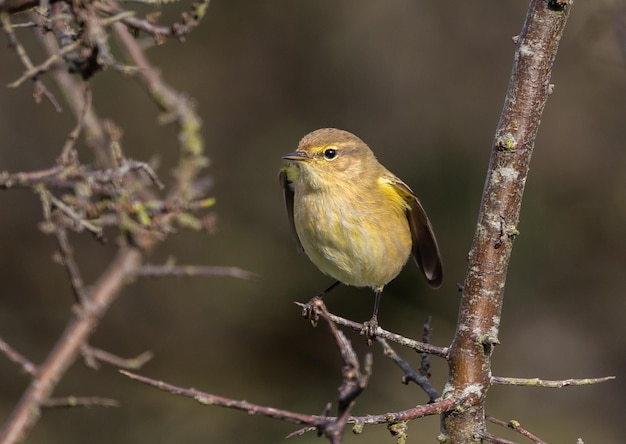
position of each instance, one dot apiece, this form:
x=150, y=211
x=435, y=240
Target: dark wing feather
x=287, y=187
x=425, y=249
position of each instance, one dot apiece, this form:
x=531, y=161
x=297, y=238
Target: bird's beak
x=296, y=155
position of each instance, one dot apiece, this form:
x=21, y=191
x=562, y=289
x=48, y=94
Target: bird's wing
x=425, y=249
x=287, y=187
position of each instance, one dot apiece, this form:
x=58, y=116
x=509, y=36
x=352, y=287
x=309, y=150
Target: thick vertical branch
x=479, y=315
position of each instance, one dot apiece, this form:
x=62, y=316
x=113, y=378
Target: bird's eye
x=330, y=153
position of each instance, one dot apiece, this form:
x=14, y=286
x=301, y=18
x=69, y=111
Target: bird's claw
x=369, y=329
x=311, y=312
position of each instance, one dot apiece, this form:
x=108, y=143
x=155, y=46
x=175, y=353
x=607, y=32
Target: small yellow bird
x=355, y=220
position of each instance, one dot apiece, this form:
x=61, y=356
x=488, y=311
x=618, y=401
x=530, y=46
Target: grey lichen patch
x=473, y=390
x=526, y=50
x=508, y=174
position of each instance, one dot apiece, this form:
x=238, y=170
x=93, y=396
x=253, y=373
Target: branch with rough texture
x=354, y=382
x=483, y=290
x=313, y=421
x=424, y=347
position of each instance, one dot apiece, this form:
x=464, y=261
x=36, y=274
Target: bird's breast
x=359, y=240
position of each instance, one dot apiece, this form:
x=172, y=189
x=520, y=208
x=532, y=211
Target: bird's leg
x=309, y=311
x=369, y=327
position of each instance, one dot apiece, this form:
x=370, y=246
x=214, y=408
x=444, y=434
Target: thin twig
x=80, y=221
x=425, y=357
x=294, y=417
x=486, y=436
x=27, y=366
x=34, y=71
x=65, y=158
x=442, y=352
x=354, y=379
x=515, y=425
x=536, y=382
x=92, y=355
x=176, y=105
x=156, y=271
x=76, y=401
x=409, y=373
x=40, y=88
x=73, y=272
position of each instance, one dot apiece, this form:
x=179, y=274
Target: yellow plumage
x=355, y=220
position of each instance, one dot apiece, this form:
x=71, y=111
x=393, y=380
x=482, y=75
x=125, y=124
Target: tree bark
x=481, y=304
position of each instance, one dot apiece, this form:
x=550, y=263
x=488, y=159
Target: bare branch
x=78, y=330
x=425, y=361
x=354, y=380
x=80, y=222
x=483, y=289
x=189, y=20
x=73, y=273
x=442, y=352
x=177, y=107
x=536, y=382
x=515, y=425
x=40, y=88
x=68, y=154
x=296, y=418
x=92, y=355
x=157, y=271
x=74, y=401
x=495, y=439
x=27, y=366
x=34, y=71
x=409, y=373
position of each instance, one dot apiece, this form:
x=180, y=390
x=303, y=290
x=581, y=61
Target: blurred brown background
x=423, y=83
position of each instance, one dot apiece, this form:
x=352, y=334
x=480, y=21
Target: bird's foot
x=369, y=329
x=310, y=310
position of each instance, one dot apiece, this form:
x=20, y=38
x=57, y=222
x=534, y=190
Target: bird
x=355, y=220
